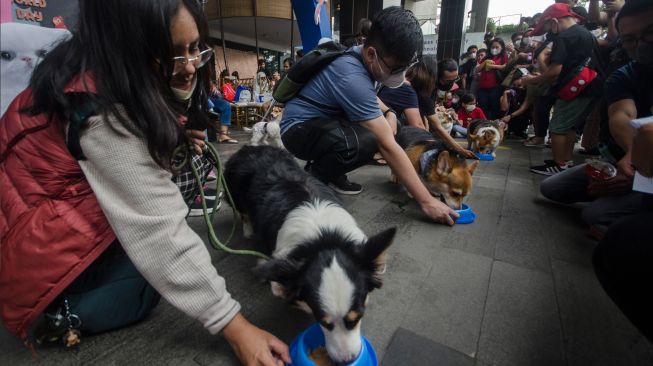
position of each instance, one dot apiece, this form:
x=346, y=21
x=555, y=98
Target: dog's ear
x=374, y=252
x=443, y=167
x=277, y=270
x=471, y=167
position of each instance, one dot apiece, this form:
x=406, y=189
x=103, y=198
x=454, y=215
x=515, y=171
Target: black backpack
x=304, y=70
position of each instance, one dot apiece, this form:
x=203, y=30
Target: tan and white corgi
x=444, y=172
x=484, y=136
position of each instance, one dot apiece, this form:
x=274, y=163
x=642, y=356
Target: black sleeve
x=620, y=85
x=426, y=105
x=559, y=51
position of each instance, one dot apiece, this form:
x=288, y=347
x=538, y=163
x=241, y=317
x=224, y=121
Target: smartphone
x=523, y=71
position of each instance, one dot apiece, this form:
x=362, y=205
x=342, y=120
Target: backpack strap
x=78, y=119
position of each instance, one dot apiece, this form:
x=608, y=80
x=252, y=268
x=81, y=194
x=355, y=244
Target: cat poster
x=24, y=42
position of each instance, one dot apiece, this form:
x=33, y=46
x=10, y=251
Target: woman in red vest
x=92, y=227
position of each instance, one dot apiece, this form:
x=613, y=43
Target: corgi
x=320, y=260
x=447, y=117
x=265, y=133
x=444, y=172
x=484, y=136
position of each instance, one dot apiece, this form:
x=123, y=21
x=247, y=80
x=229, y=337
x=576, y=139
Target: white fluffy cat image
x=22, y=47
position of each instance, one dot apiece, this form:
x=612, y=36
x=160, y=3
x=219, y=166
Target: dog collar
x=425, y=158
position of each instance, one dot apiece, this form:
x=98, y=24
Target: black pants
x=542, y=113
x=623, y=262
x=332, y=147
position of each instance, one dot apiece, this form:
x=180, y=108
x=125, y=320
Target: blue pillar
x=313, y=21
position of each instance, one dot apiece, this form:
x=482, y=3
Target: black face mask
x=446, y=86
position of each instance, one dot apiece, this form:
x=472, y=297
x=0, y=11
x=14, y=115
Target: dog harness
x=425, y=158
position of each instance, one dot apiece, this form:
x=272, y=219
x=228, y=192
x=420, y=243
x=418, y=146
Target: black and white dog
x=320, y=260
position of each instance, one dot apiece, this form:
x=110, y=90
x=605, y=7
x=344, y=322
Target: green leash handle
x=221, y=186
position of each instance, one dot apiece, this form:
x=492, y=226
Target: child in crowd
x=467, y=112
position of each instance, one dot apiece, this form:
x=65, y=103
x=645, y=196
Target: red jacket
x=51, y=225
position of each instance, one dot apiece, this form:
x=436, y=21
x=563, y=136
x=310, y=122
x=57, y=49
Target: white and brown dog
x=484, y=136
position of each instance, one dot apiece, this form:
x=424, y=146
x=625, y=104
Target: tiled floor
x=514, y=288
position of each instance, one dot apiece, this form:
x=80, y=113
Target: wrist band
x=390, y=110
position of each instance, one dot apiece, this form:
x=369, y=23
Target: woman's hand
x=439, y=212
x=468, y=154
x=196, y=140
x=254, y=346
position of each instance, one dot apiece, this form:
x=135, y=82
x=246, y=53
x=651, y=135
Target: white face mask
x=597, y=33
x=392, y=81
x=495, y=51
x=473, y=55
x=442, y=93
x=455, y=100
x=184, y=95
x=470, y=107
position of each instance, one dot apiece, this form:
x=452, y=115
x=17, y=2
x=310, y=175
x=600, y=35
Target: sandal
x=530, y=142
x=227, y=139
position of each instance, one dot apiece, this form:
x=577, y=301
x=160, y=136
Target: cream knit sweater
x=148, y=215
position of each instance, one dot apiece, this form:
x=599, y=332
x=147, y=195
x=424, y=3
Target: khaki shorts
x=568, y=114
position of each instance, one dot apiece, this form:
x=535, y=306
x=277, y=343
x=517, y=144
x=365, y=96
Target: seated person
x=467, y=112
x=516, y=107
x=335, y=123
x=220, y=106
x=628, y=92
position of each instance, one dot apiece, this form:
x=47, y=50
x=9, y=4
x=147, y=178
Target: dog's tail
x=247, y=129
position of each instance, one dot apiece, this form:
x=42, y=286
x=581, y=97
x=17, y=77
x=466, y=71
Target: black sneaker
x=342, y=185
x=549, y=168
x=196, y=208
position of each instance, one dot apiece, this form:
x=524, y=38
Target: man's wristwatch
x=389, y=110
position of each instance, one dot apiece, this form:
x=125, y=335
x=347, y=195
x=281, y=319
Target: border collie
x=321, y=260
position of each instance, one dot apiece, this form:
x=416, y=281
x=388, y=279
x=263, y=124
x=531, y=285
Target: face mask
x=442, y=94
x=644, y=54
x=392, y=81
x=597, y=33
x=495, y=51
x=473, y=55
x=455, y=100
x=184, y=95
x=470, y=107
x=446, y=86
x=526, y=41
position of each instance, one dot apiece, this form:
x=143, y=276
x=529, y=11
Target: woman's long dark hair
x=423, y=75
x=127, y=47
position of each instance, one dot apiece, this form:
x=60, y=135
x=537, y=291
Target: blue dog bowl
x=485, y=157
x=467, y=216
x=313, y=338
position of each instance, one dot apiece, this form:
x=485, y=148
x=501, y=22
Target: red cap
x=555, y=11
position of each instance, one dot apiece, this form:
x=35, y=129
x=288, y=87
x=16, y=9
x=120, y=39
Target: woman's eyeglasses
x=198, y=61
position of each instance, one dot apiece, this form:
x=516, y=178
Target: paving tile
x=596, y=332
x=408, y=348
x=450, y=301
x=521, y=324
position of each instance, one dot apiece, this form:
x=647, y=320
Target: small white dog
x=265, y=133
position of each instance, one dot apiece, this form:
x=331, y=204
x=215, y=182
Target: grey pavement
x=516, y=287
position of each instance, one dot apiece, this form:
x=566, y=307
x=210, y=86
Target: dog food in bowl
x=308, y=349
x=320, y=357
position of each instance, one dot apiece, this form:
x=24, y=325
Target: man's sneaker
x=342, y=185
x=211, y=177
x=549, y=168
x=196, y=207
x=569, y=163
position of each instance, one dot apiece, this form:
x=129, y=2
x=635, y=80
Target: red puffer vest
x=51, y=225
